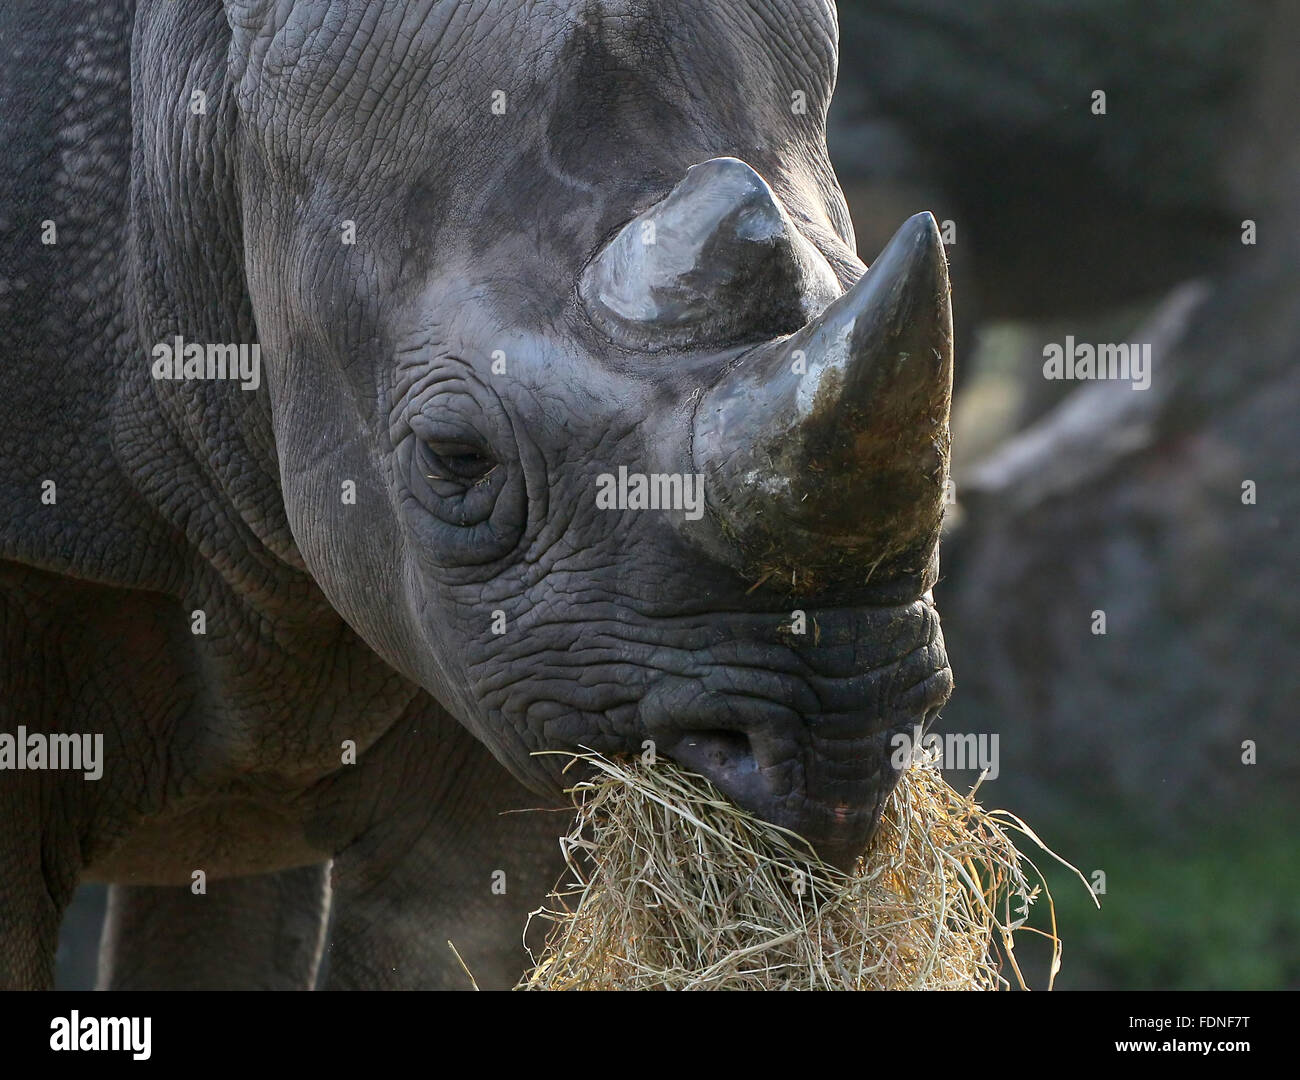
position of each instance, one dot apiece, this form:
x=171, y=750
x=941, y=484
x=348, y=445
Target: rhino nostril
x=727, y=759
x=717, y=748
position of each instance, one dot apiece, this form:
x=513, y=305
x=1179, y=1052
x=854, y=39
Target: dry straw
x=675, y=888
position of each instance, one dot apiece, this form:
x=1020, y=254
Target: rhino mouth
x=830, y=796
x=802, y=736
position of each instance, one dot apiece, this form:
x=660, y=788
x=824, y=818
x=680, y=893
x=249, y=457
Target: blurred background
x=1124, y=750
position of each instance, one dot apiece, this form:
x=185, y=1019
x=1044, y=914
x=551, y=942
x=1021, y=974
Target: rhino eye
x=468, y=501
x=455, y=463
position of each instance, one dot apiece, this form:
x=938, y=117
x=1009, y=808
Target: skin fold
x=406, y=586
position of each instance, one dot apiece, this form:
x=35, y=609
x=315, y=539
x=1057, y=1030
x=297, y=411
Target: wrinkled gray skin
x=476, y=234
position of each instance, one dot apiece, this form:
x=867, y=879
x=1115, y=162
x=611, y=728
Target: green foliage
x=1218, y=912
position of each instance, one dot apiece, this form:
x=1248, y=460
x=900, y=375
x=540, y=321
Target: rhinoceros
x=396, y=392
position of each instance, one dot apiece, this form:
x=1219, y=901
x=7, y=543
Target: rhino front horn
x=828, y=451
x=717, y=261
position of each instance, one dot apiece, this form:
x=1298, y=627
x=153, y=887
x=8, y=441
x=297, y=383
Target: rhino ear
x=718, y=261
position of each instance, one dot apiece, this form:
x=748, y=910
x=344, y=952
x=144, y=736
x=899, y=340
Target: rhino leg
x=42, y=811
x=459, y=870
x=263, y=932
x=37, y=879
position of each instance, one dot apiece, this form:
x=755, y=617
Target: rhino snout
x=812, y=753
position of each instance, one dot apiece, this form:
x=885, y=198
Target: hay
x=676, y=888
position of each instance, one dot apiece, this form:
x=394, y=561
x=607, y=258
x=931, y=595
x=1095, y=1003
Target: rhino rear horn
x=717, y=261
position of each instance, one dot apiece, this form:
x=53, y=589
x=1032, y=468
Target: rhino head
x=613, y=274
